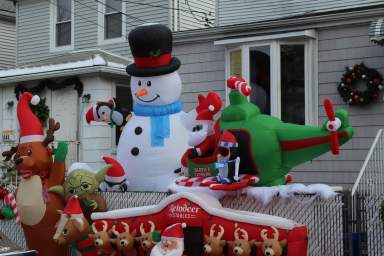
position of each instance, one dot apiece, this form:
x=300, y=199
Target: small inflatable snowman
x=153, y=141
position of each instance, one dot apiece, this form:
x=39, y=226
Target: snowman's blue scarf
x=160, y=128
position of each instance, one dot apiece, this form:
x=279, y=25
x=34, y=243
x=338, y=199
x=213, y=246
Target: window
x=62, y=25
x=112, y=21
x=281, y=74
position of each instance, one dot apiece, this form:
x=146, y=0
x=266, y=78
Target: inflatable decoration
x=125, y=240
x=172, y=241
x=202, y=136
x=260, y=149
x=102, y=240
x=83, y=181
x=115, y=178
x=198, y=223
x=108, y=113
x=153, y=140
x=73, y=229
x=33, y=158
x=271, y=246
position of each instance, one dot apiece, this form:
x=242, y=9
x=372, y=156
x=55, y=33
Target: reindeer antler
x=220, y=233
x=152, y=226
x=151, y=229
x=263, y=234
x=243, y=231
x=52, y=127
x=94, y=229
x=126, y=226
x=212, y=230
x=275, y=234
x=8, y=154
x=114, y=231
x=105, y=225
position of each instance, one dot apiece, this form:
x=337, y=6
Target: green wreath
x=347, y=87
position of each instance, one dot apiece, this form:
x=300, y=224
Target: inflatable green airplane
x=270, y=148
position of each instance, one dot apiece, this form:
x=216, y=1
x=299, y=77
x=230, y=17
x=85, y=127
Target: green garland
x=42, y=110
x=358, y=73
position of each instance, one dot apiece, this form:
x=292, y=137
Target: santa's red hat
x=116, y=173
x=90, y=115
x=30, y=126
x=73, y=206
x=174, y=231
x=227, y=140
x=208, y=106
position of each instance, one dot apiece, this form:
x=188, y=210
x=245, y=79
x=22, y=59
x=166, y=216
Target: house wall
x=184, y=19
x=202, y=70
x=34, y=27
x=7, y=43
x=245, y=11
x=340, y=47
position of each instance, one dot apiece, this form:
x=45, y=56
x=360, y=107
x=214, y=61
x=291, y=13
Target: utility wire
x=125, y=14
x=81, y=17
x=95, y=9
x=205, y=18
x=3, y=10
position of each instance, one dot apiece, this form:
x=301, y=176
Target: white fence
x=368, y=198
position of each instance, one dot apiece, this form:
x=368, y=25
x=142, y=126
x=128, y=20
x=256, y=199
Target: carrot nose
x=141, y=93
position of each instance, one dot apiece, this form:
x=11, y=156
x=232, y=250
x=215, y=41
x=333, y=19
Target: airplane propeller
x=332, y=125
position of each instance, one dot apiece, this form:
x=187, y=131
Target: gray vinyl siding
x=202, y=70
x=7, y=44
x=184, y=19
x=244, y=11
x=340, y=47
x=34, y=27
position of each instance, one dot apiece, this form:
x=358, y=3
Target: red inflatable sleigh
x=204, y=216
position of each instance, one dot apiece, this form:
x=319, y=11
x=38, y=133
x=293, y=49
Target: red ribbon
x=153, y=61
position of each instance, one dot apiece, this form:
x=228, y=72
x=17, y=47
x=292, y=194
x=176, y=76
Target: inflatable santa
x=172, y=241
x=153, y=141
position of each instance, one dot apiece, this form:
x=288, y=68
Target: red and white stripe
x=10, y=199
x=208, y=181
x=238, y=83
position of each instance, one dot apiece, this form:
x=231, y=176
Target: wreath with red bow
x=360, y=73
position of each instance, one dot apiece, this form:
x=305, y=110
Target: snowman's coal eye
x=139, y=83
x=149, y=83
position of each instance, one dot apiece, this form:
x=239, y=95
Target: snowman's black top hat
x=151, y=47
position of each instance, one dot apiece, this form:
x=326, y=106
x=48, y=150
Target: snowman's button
x=135, y=151
x=138, y=130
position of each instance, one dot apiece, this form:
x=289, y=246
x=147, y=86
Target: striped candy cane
x=10, y=199
x=238, y=83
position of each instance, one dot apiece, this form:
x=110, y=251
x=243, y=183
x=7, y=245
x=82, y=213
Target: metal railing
x=367, y=202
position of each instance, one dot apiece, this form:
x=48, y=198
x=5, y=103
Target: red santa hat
x=73, y=206
x=174, y=231
x=208, y=106
x=30, y=126
x=116, y=173
x=227, y=140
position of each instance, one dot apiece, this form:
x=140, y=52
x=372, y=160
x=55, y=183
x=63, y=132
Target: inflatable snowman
x=153, y=140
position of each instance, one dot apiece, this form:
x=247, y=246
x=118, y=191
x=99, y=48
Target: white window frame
x=53, y=22
x=101, y=27
x=308, y=38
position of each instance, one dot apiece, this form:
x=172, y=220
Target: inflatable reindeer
x=102, y=240
x=73, y=229
x=145, y=239
x=214, y=246
x=34, y=163
x=241, y=246
x=271, y=246
x=125, y=241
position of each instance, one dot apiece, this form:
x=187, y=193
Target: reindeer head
x=101, y=239
x=145, y=239
x=70, y=228
x=124, y=241
x=34, y=158
x=271, y=247
x=241, y=246
x=214, y=246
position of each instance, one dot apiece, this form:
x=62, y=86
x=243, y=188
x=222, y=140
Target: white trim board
x=309, y=33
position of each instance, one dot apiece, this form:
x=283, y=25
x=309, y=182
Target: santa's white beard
x=158, y=251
